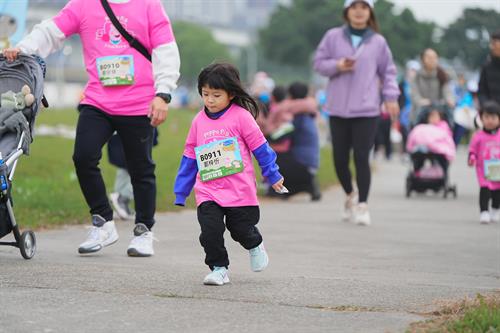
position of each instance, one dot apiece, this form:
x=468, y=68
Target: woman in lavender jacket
x=362, y=76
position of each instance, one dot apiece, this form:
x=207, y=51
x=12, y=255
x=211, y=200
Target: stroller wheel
x=27, y=244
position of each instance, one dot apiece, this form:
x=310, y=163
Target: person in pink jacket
x=484, y=154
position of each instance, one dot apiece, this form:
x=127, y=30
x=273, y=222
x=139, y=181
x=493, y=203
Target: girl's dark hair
x=225, y=76
x=490, y=107
x=442, y=77
x=372, y=21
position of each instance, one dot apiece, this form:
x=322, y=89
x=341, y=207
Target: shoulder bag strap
x=131, y=40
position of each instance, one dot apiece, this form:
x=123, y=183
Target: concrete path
x=325, y=275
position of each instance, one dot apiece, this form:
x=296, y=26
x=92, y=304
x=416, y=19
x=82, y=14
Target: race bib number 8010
x=116, y=70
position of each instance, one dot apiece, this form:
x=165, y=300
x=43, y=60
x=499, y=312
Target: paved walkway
x=324, y=275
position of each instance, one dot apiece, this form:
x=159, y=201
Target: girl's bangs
x=213, y=81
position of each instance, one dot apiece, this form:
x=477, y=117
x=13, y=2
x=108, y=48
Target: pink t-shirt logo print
x=110, y=34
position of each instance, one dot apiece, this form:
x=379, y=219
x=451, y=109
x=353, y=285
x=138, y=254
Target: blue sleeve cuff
x=266, y=157
x=185, y=180
x=180, y=200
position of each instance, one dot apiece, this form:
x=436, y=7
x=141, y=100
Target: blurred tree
x=406, y=36
x=198, y=48
x=468, y=37
x=294, y=32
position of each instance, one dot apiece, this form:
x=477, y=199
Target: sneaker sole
x=135, y=253
x=96, y=248
x=363, y=223
x=214, y=283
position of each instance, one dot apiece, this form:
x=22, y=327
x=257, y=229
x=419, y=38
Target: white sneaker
x=258, y=258
x=142, y=243
x=120, y=205
x=218, y=277
x=495, y=215
x=361, y=214
x=349, y=204
x=485, y=217
x=101, y=234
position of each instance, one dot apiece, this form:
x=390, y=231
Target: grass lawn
x=46, y=190
x=479, y=315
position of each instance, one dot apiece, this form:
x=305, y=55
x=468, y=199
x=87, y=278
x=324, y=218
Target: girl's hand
x=345, y=65
x=392, y=108
x=278, y=186
x=471, y=162
x=11, y=53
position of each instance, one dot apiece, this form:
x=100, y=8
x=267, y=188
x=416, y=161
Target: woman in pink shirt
x=484, y=153
x=217, y=161
x=125, y=93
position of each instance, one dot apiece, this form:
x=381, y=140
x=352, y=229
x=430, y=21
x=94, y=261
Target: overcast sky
x=444, y=12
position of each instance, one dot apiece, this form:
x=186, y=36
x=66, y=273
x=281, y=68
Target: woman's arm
x=387, y=73
x=324, y=63
x=166, y=67
x=165, y=53
x=388, y=76
x=44, y=39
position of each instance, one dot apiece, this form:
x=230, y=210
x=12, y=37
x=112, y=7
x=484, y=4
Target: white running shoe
x=101, y=234
x=120, y=205
x=361, y=214
x=495, y=215
x=142, y=243
x=350, y=202
x=218, y=277
x=485, y=217
x=258, y=258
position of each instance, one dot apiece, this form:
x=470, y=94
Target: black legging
x=358, y=134
x=485, y=194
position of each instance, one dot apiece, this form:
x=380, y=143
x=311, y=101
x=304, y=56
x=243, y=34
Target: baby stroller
x=429, y=169
x=429, y=172
x=16, y=127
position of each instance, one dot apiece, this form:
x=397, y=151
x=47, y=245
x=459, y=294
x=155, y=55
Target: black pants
x=240, y=221
x=484, y=199
x=94, y=129
x=357, y=134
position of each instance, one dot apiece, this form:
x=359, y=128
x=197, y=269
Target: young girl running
x=484, y=153
x=217, y=162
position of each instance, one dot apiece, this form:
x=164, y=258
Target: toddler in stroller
x=431, y=149
x=21, y=96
